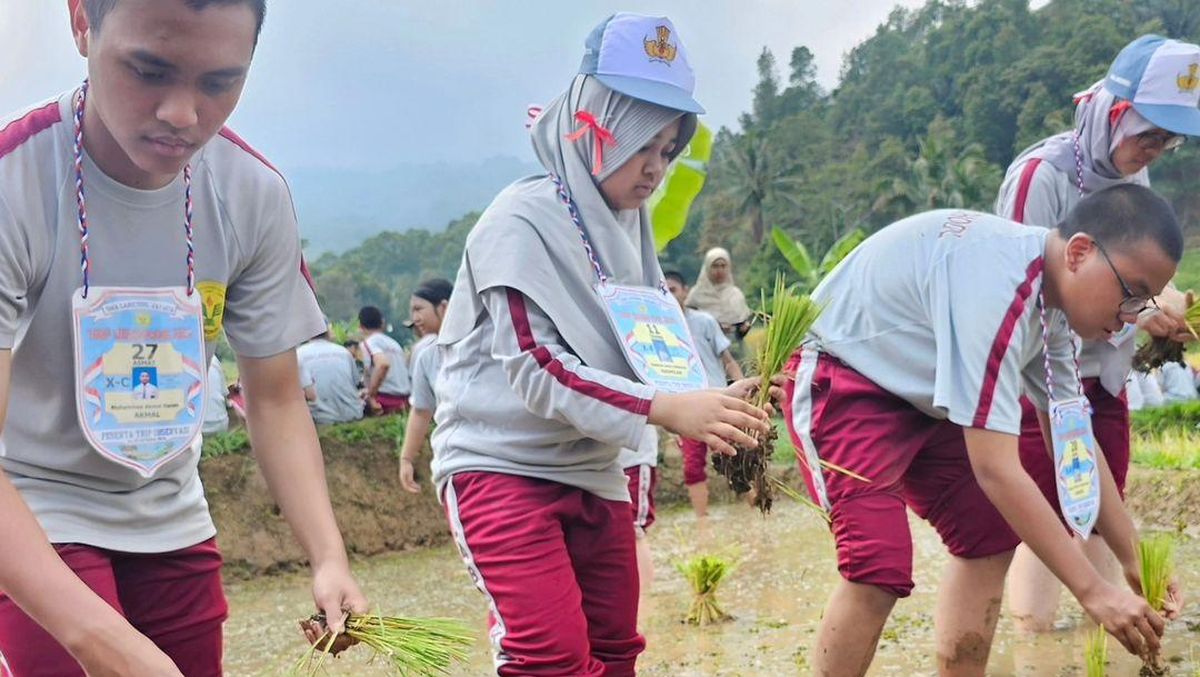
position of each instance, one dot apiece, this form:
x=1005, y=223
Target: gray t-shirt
x=246, y=243
x=329, y=368
x=710, y=343
x=941, y=309
x=396, y=382
x=426, y=361
x=1047, y=198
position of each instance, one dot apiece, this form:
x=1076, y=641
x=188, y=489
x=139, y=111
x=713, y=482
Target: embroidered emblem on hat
x=1190, y=81
x=660, y=48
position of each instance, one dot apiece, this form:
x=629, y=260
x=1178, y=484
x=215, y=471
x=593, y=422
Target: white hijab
x=723, y=301
x=526, y=240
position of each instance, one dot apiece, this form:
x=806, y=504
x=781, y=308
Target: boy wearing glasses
x=1144, y=107
x=912, y=377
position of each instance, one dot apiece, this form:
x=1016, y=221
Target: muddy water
x=776, y=593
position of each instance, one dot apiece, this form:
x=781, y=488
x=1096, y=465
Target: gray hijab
x=1095, y=145
x=526, y=240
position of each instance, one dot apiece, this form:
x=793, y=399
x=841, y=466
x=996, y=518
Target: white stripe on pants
x=643, y=497
x=802, y=421
x=498, y=630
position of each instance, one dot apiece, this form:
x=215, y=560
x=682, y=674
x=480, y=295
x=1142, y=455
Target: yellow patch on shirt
x=212, y=294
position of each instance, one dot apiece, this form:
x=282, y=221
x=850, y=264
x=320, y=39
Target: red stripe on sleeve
x=22, y=129
x=1000, y=344
x=616, y=398
x=1023, y=191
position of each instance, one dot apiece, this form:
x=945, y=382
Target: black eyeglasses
x=1154, y=140
x=1132, y=304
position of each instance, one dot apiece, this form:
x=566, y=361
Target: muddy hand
x=1173, y=604
x=1127, y=617
x=711, y=417
x=747, y=388
x=779, y=384
x=1166, y=323
x=316, y=632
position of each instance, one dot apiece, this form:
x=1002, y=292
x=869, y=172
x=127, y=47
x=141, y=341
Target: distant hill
x=339, y=209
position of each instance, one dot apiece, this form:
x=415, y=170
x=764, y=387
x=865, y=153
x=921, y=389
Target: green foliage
x=1172, y=449
x=1181, y=416
x=384, y=270
x=369, y=431
x=797, y=255
x=235, y=441
x=343, y=331
x=366, y=432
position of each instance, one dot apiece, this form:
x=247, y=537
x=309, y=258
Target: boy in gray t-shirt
x=136, y=168
x=911, y=380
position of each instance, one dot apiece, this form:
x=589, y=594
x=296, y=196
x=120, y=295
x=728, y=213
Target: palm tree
x=756, y=176
x=940, y=178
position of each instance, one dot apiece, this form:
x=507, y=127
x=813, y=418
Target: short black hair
x=675, y=275
x=1124, y=215
x=98, y=9
x=369, y=317
x=434, y=290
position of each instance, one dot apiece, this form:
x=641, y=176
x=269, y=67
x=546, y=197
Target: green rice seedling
x=1157, y=557
x=417, y=647
x=705, y=573
x=1097, y=652
x=788, y=317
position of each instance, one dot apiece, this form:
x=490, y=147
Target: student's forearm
x=1115, y=525
x=414, y=433
x=378, y=374
x=732, y=369
x=285, y=444
x=998, y=470
x=34, y=576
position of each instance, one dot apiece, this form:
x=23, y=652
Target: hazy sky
x=379, y=83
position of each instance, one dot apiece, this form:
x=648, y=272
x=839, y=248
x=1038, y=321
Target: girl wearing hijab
x=427, y=307
x=716, y=294
x=1144, y=107
x=537, y=393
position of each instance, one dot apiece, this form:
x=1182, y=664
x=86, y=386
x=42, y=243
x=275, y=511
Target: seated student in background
x=328, y=375
x=387, y=383
x=1177, y=383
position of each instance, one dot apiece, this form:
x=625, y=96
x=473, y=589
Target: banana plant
x=797, y=255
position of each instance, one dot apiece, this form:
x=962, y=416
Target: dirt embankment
x=377, y=516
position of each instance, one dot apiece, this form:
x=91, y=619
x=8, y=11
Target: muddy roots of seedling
x=750, y=470
x=1156, y=352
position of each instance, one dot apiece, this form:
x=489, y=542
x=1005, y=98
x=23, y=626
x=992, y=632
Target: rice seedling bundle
x=788, y=318
x=705, y=573
x=417, y=647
